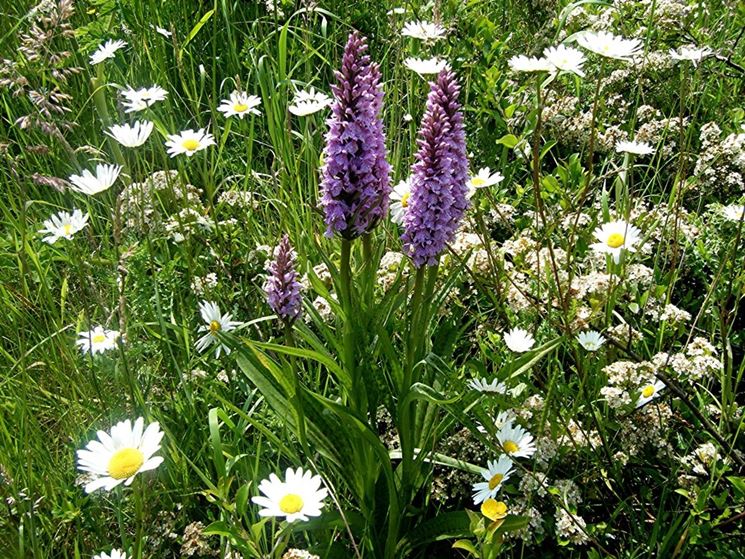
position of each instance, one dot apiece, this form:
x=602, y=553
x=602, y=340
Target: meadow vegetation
x=326, y=278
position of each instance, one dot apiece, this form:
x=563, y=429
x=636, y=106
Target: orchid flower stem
x=297, y=386
x=348, y=328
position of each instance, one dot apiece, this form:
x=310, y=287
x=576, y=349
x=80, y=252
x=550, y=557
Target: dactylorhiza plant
x=438, y=201
x=355, y=181
x=439, y=193
x=282, y=287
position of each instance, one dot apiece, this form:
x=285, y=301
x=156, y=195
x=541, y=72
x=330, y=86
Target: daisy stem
x=137, y=548
x=99, y=101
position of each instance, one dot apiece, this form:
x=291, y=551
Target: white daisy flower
x=90, y=184
x=106, y=50
x=495, y=474
x=516, y=441
x=308, y=102
x=426, y=66
x=400, y=201
x=215, y=322
x=118, y=457
x=614, y=237
x=131, y=135
x=296, y=498
x=189, y=142
x=503, y=418
x=240, y=104
x=522, y=63
x=610, y=45
x=591, y=340
x=649, y=392
x=519, y=340
x=483, y=179
x=63, y=226
x=565, y=59
x=633, y=147
x=482, y=385
x=115, y=554
x=733, y=212
x=97, y=340
x=396, y=12
x=161, y=31
x=423, y=30
x=692, y=54
x=140, y=99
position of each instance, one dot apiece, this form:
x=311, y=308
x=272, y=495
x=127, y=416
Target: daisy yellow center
x=291, y=503
x=215, y=327
x=495, y=480
x=67, y=228
x=478, y=181
x=191, y=144
x=240, y=107
x=125, y=463
x=493, y=509
x=615, y=240
x=510, y=447
x=405, y=200
x=648, y=391
x=98, y=338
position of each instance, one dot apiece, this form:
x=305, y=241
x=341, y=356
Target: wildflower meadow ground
x=308, y=279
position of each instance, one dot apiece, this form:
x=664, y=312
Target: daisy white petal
x=298, y=497
x=635, y=148
x=423, y=30
x=519, y=340
x=240, y=104
x=591, y=340
x=649, y=392
x=90, y=184
x=309, y=102
x=522, y=63
x=516, y=441
x=614, y=237
x=63, y=226
x=733, y=212
x=136, y=100
x=610, y=45
x=426, y=66
x=691, y=54
x=131, y=135
x=482, y=385
x=97, y=340
x=120, y=457
x=189, y=142
x=495, y=474
x=215, y=322
x=400, y=201
x=565, y=59
x=106, y=50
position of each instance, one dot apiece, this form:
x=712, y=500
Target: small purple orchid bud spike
x=283, y=289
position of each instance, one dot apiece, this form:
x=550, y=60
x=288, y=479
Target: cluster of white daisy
x=513, y=442
x=428, y=33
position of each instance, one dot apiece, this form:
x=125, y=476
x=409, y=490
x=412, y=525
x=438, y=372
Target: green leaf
x=205, y=18
x=455, y=524
x=466, y=545
x=508, y=140
x=739, y=484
